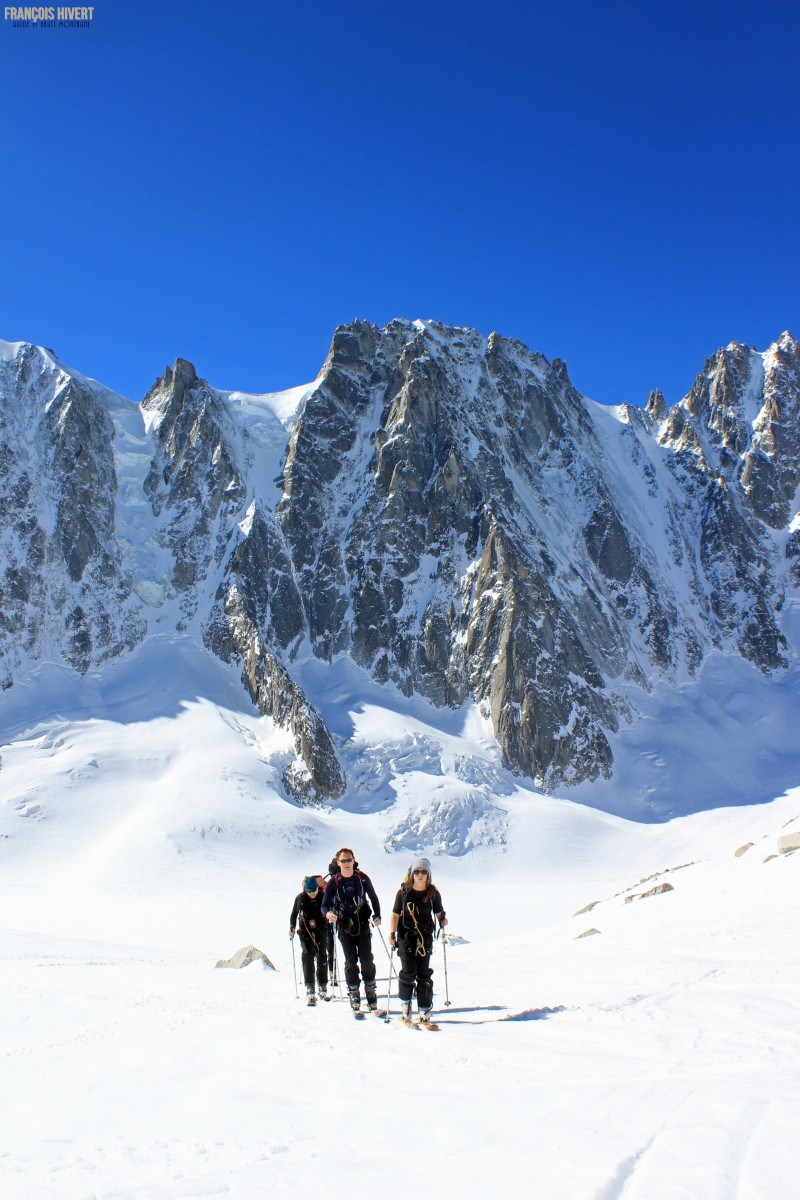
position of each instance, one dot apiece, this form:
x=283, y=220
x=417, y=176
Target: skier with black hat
x=417, y=907
x=308, y=918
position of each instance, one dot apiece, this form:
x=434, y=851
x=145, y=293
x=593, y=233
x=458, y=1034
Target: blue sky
x=613, y=183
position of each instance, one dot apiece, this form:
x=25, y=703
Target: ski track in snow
x=656, y=1061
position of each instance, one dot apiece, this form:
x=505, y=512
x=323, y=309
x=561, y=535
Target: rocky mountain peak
x=656, y=405
x=450, y=514
x=194, y=477
x=743, y=425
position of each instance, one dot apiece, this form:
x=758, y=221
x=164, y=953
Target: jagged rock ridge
x=449, y=512
x=64, y=582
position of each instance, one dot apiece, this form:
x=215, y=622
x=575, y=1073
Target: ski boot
x=354, y=996
x=311, y=996
x=425, y=1019
x=372, y=997
x=405, y=1012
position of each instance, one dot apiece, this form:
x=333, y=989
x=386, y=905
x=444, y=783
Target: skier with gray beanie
x=417, y=907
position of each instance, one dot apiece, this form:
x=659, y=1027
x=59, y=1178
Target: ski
x=416, y=1023
x=360, y=1016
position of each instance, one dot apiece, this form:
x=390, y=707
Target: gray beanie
x=422, y=864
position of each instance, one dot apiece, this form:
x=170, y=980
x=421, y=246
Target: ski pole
x=389, y=956
x=443, y=936
x=294, y=968
x=389, y=989
x=334, y=928
x=391, y=969
x=386, y=948
x=330, y=950
x=336, y=963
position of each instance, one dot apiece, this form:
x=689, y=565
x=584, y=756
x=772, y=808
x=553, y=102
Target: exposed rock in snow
x=245, y=956
x=277, y=695
x=658, y=890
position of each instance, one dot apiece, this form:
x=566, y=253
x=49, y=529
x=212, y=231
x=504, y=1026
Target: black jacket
x=350, y=900
x=418, y=912
x=307, y=916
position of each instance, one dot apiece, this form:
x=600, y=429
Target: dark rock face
x=261, y=570
x=430, y=480
x=196, y=485
x=451, y=514
x=63, y=578
x=744, y=407
x=193, y=479
x=279, y=696
x=402, y=506
x=736, y=443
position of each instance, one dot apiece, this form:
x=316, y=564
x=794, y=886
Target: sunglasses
x=420, y=872
x=345, y=860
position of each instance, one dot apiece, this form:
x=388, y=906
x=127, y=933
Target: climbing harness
x=411, y=909
x=352, y=922
x=308, y=930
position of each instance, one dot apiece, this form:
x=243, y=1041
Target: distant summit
x=443, y=508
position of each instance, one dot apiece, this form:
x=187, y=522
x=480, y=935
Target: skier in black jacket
x=346, y=904
x=417, y=907
x=307, y=916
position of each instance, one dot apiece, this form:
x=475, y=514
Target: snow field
x=657, y=1060
x=144, y=836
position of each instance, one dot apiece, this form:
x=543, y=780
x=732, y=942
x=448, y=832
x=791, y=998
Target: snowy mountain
x=421, y=587
x=439, y=513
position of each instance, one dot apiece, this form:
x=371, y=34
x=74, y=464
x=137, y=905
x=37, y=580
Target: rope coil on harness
x=308, y=930
x=421, y=950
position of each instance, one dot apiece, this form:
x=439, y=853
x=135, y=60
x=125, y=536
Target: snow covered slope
x=145, y=834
